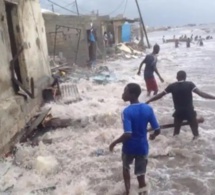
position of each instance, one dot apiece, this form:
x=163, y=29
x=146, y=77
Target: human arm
x=154, y=125
x=156, y=97
x=169, y=89
x=124, y=137
x=203, y=94
x=127, y=130
x=156, y=71
x=141, y=65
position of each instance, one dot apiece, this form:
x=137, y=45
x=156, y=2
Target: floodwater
x=78, y=161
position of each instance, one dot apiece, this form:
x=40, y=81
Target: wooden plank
x=40, y=118
x=167, y=126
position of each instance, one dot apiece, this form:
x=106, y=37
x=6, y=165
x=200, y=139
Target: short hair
x=181, y=74
x=156, y=47
x=134, y=89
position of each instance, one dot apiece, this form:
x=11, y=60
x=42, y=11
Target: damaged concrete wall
x=67, y=40
x=21, y=23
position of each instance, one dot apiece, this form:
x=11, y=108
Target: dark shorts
x=151, y=84
x=141, y=162
x=187, y=115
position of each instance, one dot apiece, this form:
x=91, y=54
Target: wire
x=62, y=7
x=126, y=3
x=73, y=3
x=118, y=7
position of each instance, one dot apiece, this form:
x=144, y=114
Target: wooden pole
x=52, y=8
x=76, y=4
x=142, y=22
x=167, y=126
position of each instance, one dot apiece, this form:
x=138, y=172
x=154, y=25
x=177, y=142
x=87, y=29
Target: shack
x=67, y=34
x=24, y=62
x=121, y=28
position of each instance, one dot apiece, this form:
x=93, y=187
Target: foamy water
x=79, y=162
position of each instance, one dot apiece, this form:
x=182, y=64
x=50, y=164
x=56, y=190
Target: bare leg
x=126, y=176
x=142, y=182
x=177, y=124
x=194, y=127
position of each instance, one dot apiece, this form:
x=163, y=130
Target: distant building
x=121, y=28
x=68, y=34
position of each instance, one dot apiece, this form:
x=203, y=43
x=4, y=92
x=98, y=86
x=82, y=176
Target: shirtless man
x=183, y=102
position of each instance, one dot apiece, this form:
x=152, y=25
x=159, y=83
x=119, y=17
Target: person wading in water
x=135, y=119
x=183, y=102
x=151, y=62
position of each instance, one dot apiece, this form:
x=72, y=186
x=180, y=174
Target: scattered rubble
x=44, y=190
x=46, y=164
x=103, y=75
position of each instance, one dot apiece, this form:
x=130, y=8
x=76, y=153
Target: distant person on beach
x=176, y=43
x=183, y=102
x=164, y=41
x=135, y=119
x=188, y=42
x=151, y=62
x=201, y=43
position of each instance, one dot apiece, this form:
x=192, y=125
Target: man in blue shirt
x=92, y=46
x=135, y=119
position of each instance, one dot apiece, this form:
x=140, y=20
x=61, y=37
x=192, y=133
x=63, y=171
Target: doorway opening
x=11, y=8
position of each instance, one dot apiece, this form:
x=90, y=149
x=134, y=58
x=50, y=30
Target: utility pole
x=143, y=25
x=76, y=4
x=52, y=8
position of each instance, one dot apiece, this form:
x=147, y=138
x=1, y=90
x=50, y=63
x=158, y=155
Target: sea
x=78, y=161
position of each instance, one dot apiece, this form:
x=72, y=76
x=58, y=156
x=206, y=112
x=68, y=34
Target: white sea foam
x=85, y=166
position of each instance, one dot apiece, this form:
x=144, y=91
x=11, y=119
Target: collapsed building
x=67, y=35
x=24, y=62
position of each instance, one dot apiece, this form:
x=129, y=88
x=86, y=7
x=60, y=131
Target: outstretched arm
x=155, y=126
x=157, y=97
x=203, y=94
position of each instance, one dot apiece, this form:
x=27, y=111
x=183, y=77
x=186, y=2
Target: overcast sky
x=155, y=12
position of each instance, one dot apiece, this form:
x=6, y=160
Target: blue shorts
x=141, y=162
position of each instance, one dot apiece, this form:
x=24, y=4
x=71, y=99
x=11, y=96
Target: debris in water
x=104, y=76
x=44, y=190
x=46, y=164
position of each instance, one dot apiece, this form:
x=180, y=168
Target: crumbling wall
x=67, y=42
x=28, y=28
x=62, y=42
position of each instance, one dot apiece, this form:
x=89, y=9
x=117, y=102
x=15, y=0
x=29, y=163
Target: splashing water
x=78, y=161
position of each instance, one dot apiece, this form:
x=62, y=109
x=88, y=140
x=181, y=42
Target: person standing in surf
x=151, y=62
x=183, y=102
x=135, y=119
